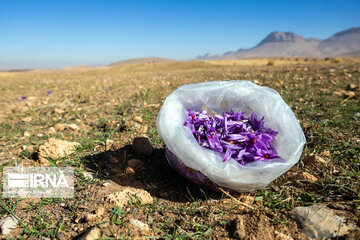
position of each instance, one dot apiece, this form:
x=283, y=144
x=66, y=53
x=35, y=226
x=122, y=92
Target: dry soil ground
x=113, y=105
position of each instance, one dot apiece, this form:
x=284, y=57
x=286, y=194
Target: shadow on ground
x=155, y=176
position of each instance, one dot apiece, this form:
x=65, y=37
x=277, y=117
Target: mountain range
x=288, y=44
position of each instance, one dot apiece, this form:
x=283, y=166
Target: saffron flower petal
x=227, y=155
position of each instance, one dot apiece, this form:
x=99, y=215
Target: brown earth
x=114, y=105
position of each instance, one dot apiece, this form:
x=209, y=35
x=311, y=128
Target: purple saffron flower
x=232, y=134
x=22, y=98
x=49, y=92
x=257, y=124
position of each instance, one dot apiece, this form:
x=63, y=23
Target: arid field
x=121, y=193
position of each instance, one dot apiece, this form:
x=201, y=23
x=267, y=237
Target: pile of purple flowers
x=238, y=137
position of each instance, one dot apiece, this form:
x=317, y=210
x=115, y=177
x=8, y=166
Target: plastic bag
x=204, y=166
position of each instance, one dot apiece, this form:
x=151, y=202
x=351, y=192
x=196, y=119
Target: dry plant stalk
x=236, y=200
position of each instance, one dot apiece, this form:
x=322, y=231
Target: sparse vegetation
x=114, y=105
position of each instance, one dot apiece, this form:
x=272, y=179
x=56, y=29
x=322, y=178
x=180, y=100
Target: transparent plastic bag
x=204, y=166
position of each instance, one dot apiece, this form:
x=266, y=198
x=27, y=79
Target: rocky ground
x=91, y=120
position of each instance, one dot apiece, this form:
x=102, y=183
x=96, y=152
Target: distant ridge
x=142, y=61
x=278, y=37
x=288, y=44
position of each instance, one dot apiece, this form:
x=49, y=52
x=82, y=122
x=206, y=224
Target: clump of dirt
x=55, y=148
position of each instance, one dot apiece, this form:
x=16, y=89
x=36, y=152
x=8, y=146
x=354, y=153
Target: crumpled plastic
x=204, y=166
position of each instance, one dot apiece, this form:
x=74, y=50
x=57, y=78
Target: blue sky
x=65, y=33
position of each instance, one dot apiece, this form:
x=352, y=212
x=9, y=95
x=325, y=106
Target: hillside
x=288, y=44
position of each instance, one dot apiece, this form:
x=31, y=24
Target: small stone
x=247, y=199
x=51, y=130
x=320, y=160
x=325, y=153
x=153, y=105
x=109, y=144
x=106, y=184
x=27, y=119
x=98, y=213
x=307, y=176
x=27, y=134
x=138, y=119
x=357, y=114
x=73, y=126
x=7, y=224
x=140, y=225
x=142, y=146
x=144, y=129
x=39, y=135
x=240, y=232
x=31, y=98
x=59, y=111
x=61, y=127
x=314, y=159
x=135, y=163
x=320, y=222
x=281, y=236
x=338, y=93
x=54, y=148
x=93, y=233
x=351, y=87
x=121, y=198
x=88, y=175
